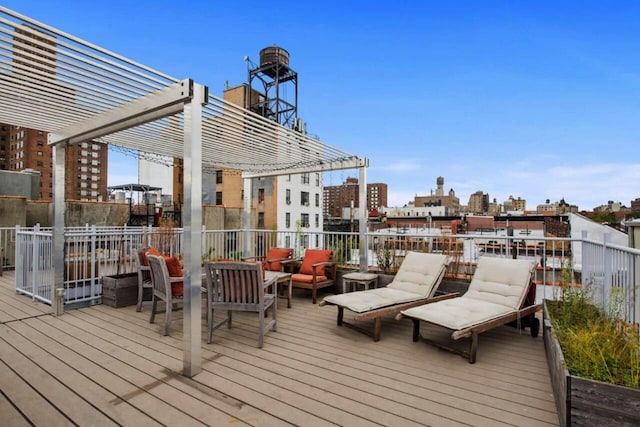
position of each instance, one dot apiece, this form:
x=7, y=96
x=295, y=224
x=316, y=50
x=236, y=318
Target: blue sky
x=537, y=99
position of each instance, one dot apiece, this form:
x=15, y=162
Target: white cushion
x=372, y=299
x=419, y=273
x=457, y=313
x=501, y=281
x=499, y=287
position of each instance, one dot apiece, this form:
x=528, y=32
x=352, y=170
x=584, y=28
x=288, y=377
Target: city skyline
x=535, y=100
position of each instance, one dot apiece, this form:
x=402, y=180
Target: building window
x=218, y=198
x=260, y=195
x=39, y=164
x=241, y=194
x=40, y=143
x=287, y=220
x=317, y=200
x=304, y=198
x=305, y=178
x=304, y=220
x=218, y=177
x=288, y=196
x=260, y=219
x=287, y=241
x=317, y=220
x=317, y=180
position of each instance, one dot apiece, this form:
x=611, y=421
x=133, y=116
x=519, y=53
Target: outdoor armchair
x=318, y=270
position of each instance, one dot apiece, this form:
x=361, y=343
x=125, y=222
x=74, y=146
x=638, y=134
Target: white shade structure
x=76, y=91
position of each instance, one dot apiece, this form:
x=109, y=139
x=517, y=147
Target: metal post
x=57, y=287
x=192, y=229
x=246, y=216
x=362, y=216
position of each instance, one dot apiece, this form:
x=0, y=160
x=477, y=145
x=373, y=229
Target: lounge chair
x=415, y=284
x=497, y=295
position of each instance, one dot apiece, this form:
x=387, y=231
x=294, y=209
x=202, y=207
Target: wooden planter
x=121, y=290
x=582, y=401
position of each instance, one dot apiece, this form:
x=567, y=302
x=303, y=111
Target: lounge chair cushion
x=314, y=256
x=307, y=278
x=501, y=281
x=418, y=273
x=372, y=299
x=458, y=313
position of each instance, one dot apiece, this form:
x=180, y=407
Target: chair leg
x=154, y=304
x=314, y=293
x=289, y=299
x=340, y=315
x=167, y=317
x=377, y=328
x=229, y=318
x=261, y=329
x=416, y=330
x=274, y=316
x=140, y=292
x=209, y=325
x=473, y=348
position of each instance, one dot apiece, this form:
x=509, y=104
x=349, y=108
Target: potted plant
x=593, y=357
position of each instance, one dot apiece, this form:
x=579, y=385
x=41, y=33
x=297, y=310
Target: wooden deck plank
x=9, y=414
x=310, y=372
x=152, y=398
x=211, y=405
x=31, y=389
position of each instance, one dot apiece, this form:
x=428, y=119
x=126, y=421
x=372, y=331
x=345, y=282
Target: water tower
x=278, y=85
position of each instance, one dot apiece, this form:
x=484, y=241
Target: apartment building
x=338, y=197
x=86, y=163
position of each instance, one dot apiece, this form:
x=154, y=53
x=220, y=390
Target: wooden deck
x=106, y=366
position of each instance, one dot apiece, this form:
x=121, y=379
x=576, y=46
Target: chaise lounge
x=414, y=284
x=499, y=293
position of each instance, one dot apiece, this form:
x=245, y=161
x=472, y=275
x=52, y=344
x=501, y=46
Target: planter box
x=582, y=401
x=122, y=290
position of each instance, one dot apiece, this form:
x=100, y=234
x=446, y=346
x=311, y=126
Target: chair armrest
x=176, y=279
x=251, y=258
x=286, y=262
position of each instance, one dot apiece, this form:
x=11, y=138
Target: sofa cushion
x=502, y=281
x=307, y=278
x=314, y=256
x=372, y=299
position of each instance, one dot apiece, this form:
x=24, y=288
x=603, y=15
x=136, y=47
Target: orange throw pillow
x=151, y=251
x=175, y=270
x=275, y=253
x=314, y=256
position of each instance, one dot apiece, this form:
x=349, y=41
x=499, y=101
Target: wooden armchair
x=238, y=286
x=144, y=272
x=166, y=277
x=318, y=270
x=273, y=260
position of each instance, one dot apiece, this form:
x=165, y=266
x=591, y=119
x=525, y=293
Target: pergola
x=78, y=92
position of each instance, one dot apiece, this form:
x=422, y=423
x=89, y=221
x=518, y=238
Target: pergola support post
x=59, y=208
x=362, y=217
x=192, y=326
x=246, y=215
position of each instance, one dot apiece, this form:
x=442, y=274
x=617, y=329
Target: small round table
x=353, y=279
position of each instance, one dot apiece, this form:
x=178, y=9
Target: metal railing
x=610, y=273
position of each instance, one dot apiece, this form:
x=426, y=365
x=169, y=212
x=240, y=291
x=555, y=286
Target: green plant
x=386, y=260
x=595, y=344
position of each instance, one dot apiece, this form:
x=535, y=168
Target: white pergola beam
x=349, y=163
x=156, y=105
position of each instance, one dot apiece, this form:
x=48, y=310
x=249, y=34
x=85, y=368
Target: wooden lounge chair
x=276, y=260
x=318, y=270
x=497, y=295
x=415, y=284
x=144, y=272
x=238, y=286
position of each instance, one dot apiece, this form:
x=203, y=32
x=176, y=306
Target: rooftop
x=101, y=365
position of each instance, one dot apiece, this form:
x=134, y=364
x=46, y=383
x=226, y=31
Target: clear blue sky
x=537, y=99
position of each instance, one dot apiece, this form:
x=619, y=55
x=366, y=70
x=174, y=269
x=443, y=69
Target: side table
x=281, y=279
x=353, y=279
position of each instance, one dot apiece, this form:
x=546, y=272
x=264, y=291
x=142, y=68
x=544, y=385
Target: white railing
x=608, y=272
